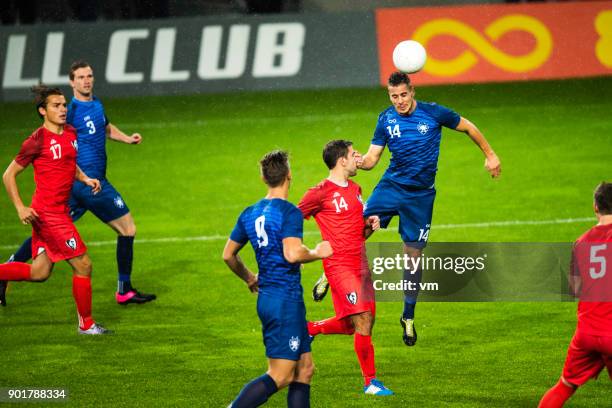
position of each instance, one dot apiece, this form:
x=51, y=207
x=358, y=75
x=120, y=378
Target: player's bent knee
x=305, y=373
x=82, y=265
x=282, y=379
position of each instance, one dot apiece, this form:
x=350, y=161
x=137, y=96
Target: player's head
x=401, y=92
x=340, y=153
x=50, y=104
x=275, y=168
x=81, y=78
x=602, y=199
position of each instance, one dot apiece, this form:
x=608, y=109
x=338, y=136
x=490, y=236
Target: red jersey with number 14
x=592, y=261
x=338, y=211
x=53, y=157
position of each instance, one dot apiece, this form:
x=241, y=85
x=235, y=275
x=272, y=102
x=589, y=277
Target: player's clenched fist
x=324, y=249
x=94, y=184
x=493, y=165
x=27, y=215
x=373, y=222
x=136, y=138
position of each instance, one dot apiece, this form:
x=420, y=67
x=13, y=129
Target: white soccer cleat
x=95, y=329
x=377, y=388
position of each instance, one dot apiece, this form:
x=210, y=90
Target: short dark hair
x=41, y=93
x=76, y=65
x=397, y=78
x=275, y=167
x=334, y=150
x=603, y=198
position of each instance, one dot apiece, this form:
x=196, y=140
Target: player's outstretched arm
x=371, y=158
x=234, y=262
x=93, y=183
x=113, y=133
x=26, y=214
x=295, y=251
x=492, y=162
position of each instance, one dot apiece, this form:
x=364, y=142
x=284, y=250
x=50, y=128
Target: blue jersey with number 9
x=90, y=121
x=265, y=224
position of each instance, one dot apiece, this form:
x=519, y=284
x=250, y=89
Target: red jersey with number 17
x=53, y=157
x=592, y=261
x=338, y=211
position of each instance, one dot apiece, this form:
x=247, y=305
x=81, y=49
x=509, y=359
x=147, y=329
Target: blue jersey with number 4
x=90, y=121
x=414, y=142
x=265, y=224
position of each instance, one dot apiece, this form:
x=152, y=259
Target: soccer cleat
x=409, y=334
x=3, y=285
x=95, y=329
x=377, y=388
x=320, y=288
x=133, y=296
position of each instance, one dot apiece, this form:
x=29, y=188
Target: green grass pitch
x=195, y=171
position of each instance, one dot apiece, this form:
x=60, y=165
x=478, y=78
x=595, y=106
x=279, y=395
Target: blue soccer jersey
x=414, y=142
x=90, y=121
x=265, y=224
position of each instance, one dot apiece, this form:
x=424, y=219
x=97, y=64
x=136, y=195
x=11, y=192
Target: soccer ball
x=409, y=56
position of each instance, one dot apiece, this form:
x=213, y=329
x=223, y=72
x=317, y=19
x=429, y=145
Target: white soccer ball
x=409, y=56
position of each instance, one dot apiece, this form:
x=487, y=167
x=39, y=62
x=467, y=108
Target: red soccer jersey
x=592, y=261
x=54, y=159
x=338, y=211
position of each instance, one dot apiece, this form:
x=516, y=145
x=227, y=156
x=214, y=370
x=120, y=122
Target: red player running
x=52, y=150
x=591, y=279
x=338, y=209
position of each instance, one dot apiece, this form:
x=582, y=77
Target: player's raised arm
x=26, y=214
x=113, y=133
x=235, y=263
x=295, y=251
x=492, y=162
x=371, y=158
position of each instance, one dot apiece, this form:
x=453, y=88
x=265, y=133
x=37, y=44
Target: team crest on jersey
x=294, y=343
x=336, y=194
x=119, y=202
x=71, y=243
x=422, y=128
x=352, y=298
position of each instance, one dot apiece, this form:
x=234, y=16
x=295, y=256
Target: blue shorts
x=283, y=323
x=107, y=205
x=414, y=207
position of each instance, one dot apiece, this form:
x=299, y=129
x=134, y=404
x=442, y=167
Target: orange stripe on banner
x=501, y=42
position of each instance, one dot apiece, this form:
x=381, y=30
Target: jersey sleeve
x=30, y=149
x=293, y=224
x=380, y=135
x=239, y=233
x=445, y=116
x=310, y=204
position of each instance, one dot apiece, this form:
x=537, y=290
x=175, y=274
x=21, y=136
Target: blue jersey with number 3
x=265, y=224
x=90, y=121
x=414, y=142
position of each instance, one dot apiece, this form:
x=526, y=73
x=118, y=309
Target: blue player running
x=274, y=227
x=86, y=114
x=412, y=131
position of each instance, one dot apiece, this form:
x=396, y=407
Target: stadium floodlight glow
x=409, y=56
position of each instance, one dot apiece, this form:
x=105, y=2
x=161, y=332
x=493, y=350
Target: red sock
x=81, y=290
x=15, y=271
x=365, y=353
x=330, y=326
x=556, y=396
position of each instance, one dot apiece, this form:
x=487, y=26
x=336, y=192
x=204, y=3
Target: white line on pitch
x=510, y=223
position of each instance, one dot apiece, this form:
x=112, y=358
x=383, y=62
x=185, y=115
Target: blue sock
x=255, y=393
x=125, y=253
x=24, y=253
x=410, y=296
x=299, y=395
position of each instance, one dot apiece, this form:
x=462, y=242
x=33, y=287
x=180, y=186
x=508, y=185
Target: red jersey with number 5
x=592, y=261
x=338, y=211
x=53, y=157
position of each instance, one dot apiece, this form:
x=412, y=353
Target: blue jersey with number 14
x=414, y=142
x=265, y=224
x=90, y=121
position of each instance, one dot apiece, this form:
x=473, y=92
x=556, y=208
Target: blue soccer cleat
x=377, y=388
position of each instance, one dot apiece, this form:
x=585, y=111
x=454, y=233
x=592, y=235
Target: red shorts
x=586, y=357
x=55, y=234
x=352, y=292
